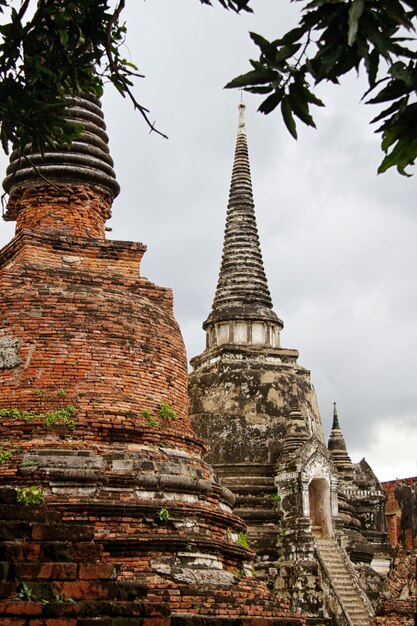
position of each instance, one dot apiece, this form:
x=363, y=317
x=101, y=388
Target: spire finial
x=335, y=417
x=242, y=106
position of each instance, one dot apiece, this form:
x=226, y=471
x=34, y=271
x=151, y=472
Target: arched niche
x=320, y=507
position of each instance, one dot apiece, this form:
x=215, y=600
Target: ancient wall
x=401, y=512
x=77, y=317
x=109, y=515
x=240, y=405
x=108, y=510
x=398, y=604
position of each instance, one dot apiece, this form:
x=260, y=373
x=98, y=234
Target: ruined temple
x=109, y=514
x=315, y=519
x=397, y=606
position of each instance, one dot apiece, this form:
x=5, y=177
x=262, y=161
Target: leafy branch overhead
x=50, y=49
x=334, y=37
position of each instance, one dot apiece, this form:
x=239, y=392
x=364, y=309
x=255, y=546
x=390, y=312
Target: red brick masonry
x=132, y=527
x=398, y=606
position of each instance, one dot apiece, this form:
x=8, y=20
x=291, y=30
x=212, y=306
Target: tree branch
x=115, y=70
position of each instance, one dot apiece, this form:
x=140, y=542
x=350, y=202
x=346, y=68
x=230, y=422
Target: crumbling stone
x=9, y=353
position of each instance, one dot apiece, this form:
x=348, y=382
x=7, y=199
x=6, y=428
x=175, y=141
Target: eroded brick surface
x=398, y=605
x=133, y=526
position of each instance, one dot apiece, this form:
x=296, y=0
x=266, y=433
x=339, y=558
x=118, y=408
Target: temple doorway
x=320, y=507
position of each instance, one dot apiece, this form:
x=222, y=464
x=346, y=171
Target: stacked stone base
x=123, y=538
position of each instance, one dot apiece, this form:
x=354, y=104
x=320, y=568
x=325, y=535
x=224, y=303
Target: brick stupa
x=109, y=515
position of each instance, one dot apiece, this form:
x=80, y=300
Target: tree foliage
x=50, y=49
x=335, y=37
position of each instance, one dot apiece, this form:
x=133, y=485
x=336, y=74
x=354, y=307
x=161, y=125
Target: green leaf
x=255, y=77
x=381, y=42
x=288, y=116
x=286, y=52
x=308, y=95
x=261, y=90
x=392, y=91
x=388, y=139
x=398, y=70
x=394, y=107
x=355, y=12
x=270, y=103
x=293, y=35
x=63, y=35
x=300, y=106
x=403, y=154
x=395, y=9
x=372, y=65
x=266, y=47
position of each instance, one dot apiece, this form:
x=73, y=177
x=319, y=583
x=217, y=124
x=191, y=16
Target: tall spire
x=242, y=290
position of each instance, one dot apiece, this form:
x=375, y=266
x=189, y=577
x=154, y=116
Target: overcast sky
x=339, y=242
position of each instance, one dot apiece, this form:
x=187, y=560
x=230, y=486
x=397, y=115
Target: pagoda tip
x=241, y=107
x=335, y=417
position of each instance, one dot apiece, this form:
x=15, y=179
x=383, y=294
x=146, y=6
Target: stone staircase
x=352, y=602
x=254, y=488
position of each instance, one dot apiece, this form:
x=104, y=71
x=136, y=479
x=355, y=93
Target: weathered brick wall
x=401, y=511
x=133, y=527
x=74, y=209
x=81, y=319
x=398, y=605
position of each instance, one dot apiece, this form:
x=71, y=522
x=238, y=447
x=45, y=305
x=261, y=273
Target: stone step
x=266, y=492
x=342, y=581
x=245, y=470
x=247, y=484
x=258, y=501
x=249, y=515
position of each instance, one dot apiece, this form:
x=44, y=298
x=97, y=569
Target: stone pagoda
x=109, y=514
x=256, y=408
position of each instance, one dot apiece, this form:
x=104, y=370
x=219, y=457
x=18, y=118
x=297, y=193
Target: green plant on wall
x=5, y=455
x=276, y=499
x=61, y=599
x=49, y=419
x=162, y=515
x=242, y=540
x=27, y=593
x=30, y=496
x=150, y=418
x=167, y=412
x=29, y=463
